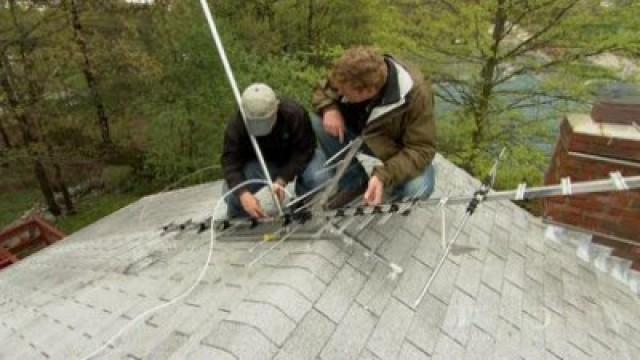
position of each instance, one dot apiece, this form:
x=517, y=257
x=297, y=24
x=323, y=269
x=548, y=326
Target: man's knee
x=318, y=177
x=421, y=186
x=231, y=199
x=315, y=174
x=328, y=143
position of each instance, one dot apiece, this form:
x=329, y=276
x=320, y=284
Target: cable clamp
x=618, y=181
x=567, y=188
x=520, y=193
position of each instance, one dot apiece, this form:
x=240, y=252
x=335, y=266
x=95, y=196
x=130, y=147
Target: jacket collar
x=390, y=91
x=399, y=84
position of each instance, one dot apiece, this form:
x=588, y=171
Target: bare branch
x=523, y=47
x=557, y=62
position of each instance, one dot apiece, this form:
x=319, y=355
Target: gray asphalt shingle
x=481, y=345
x=411, y=352
x=309, y=337
x=338, y=297
x=470, y=275
x=458, y=321
x=425, y=328
x=391, y=330
x=351, y=335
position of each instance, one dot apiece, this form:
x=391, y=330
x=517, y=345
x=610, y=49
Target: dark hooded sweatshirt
x=289, y=147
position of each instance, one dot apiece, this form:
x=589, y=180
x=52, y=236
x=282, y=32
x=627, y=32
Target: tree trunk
x=62, y=187
x=87, y=70
x=310, y=14
x=487, y=75
x=36, y=93
x=45, y=186
x=191, y=132
x=60, y=184
x=12, y=100
x=27, y=135
x=5, y=136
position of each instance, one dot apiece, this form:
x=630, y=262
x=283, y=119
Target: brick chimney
x=590, y=147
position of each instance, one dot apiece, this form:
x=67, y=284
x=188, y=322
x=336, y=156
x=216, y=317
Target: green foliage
x=504, y=72
x=527, y=143
x=115, y=177
x=93, y=209
x=293, y=27
x=15, y=204
x=190, y=110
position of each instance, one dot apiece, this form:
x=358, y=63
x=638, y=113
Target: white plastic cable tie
x=347, y=240
x=334, y=229
x=618, y=181
x=396, y=270
x=522, y=189
x=340, y=231
x=567, y=189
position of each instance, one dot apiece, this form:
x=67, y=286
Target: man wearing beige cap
x=283, y=131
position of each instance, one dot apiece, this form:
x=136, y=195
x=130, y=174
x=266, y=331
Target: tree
x=3, y=132
x=189, y=111
x=28, y=136
x=89, y=72
x=297, y=27
x=493, y=60
x=23, y=84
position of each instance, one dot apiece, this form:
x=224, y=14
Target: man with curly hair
x=388, y=103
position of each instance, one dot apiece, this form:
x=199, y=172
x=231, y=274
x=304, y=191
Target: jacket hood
x=398, y=89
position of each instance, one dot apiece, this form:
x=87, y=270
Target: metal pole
x=585, y=187
x=353, y=150
x=478, y=197
x=236, y=93
x=606, y=159
x=443, y=258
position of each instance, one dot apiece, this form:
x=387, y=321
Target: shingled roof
x=505, y=292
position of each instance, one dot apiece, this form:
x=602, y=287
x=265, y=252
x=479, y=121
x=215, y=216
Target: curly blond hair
x=361, y=68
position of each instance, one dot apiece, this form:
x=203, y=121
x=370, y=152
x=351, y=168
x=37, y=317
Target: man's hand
x=251, y=205
x=373, y=195
x=278, y=189
x=333, y=123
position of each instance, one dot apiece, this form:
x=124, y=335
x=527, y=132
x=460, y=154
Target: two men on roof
x=366, y=94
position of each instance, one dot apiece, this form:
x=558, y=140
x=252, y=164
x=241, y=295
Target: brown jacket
x=400, y=132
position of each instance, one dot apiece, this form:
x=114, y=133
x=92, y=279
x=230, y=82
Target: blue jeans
x=355, y=177
x=252, y=170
